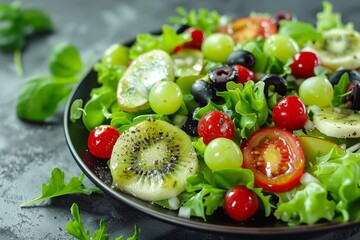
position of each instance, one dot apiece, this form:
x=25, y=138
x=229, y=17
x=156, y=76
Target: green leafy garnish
x=327, y=19
x=16, y=24
x=245, y=104
x=339, y=173
x=306, y=204
x=340, y=90
x=301, y=32
x=76, y=228
x=76, y=110
x=204, y=19
x=41, y=96
x=167, y=41
x=57, y=187
x=209, y=189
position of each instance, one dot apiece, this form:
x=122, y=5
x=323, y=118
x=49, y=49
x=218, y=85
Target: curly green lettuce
x=245, y=104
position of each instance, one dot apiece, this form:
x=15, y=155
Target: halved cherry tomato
x=101, y=141
x=244, y=74
x=248, y=28
x=275, y=157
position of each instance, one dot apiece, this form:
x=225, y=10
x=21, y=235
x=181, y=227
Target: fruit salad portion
x=254, y=115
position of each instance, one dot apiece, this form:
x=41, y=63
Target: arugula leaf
x=204, y=19
x=41, y=96
x=340, y=90
x=57, y=187
x=76, y=228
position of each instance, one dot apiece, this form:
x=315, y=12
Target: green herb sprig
x=76, y=228
x=57, y=187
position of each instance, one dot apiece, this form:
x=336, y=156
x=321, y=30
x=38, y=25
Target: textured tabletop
x=28, y=152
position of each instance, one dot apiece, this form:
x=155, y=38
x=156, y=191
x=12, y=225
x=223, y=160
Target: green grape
x=217, y=47
x=222, y=153
x=316, y=91
x=280, y=46
x=165, y=97
x=116, y=54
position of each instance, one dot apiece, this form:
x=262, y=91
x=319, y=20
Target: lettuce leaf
x=209, y=189
x=167, y=41
x=245, y=104
x=301, y=32
x=341, y=177
x=327, y=19
x=305, y=204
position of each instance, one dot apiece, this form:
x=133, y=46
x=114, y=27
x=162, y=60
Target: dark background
x=28, y=152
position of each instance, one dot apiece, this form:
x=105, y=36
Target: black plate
x=97, y=171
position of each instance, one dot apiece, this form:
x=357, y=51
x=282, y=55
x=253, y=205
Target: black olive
x=241, y=57
x=279, y=83
x=191, y=125
x=219, y=76
x=283, y=15
x=203, y=92
x=353, y=100
x=336, y=76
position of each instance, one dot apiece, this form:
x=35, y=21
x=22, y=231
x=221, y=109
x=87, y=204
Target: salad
x=253, y=115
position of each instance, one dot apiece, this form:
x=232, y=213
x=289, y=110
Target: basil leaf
x=65, y=60
x=40, y=97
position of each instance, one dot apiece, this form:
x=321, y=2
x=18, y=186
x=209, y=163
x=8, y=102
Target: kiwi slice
x=340, y=49
x=151, y=160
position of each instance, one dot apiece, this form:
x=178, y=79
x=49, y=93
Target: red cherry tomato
x=101, y=141
x=275, y=157
x=197, y=38
x=290, y=113
x=244, y=74
x=304, y=64
x=215, y=124
x=248, y=28
x=240, y=203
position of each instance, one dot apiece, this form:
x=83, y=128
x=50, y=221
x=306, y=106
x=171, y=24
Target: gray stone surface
x=28, y=152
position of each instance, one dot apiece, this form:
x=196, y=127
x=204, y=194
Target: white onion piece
x=353, y=148
x=308, y=178
x=184, y=212
x=173, y=203
x=343, y=146
x=309, y=125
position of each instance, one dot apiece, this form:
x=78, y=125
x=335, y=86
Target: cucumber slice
x=337, y=122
